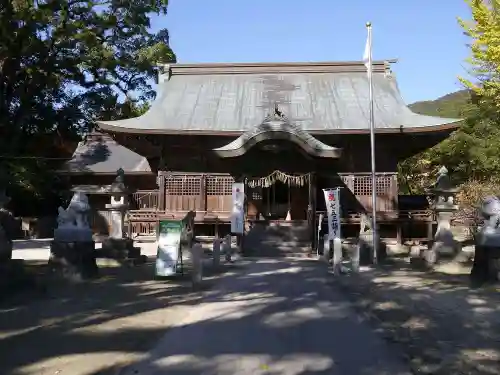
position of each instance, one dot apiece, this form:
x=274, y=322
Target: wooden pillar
x=162, y=174
x=161, y=190
x=311, y=209
x=399, y=232
x=430, y=222
x=203, y=192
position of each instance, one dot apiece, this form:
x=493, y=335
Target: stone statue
x=486, y=265
x=79, y=208
x=73, y=222
x=490, y=211
x=365, y=224
x=64, y=219
x=443, y=181
x=72, y=252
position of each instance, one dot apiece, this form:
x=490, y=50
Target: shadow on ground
x=278, y=318
x=99, y=327
x=122, y=313
x=446, y=326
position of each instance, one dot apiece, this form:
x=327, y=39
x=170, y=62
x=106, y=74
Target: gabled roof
x=99, y=153
x=327, y=97
x=277, y=126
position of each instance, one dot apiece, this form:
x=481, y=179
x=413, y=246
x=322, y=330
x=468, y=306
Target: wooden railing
x=145, y=200
x=360, y=185
x=142, y=223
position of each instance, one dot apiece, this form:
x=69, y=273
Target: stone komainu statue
x=490, y=211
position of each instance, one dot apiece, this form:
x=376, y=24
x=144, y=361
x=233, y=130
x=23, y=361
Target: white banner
x=332, y=201
x=238, y=211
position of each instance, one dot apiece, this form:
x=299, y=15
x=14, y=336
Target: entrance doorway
x=276, y=201
x=280, y=200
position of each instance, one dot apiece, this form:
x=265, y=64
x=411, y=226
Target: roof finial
x=277, y=111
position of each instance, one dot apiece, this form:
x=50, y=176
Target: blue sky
x=422, y=34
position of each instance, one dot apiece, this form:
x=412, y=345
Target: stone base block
x=486, y=267
x=5, y=250
x=74, y=261
x=14, y=277
x=120, y=249
x=365, y=249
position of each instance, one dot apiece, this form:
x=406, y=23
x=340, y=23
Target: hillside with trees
x=470, y=153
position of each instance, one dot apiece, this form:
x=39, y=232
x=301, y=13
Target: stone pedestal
x=117, y=246
x=120, y=249
x=365, y=248
x=444, y=244
x=486, y=267
x=74, y=261
x=5, y=246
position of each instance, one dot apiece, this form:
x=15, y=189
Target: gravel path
x=276, y=317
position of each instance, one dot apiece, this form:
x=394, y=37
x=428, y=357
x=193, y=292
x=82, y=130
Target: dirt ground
x=94, y=328
x=446, y=326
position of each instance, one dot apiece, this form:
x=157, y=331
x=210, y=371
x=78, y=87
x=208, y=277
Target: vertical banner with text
x=332, y=201
x=238, y=209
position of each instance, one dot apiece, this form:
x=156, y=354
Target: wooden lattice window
x=363, y=185
x=219, y=185
x=183, y=185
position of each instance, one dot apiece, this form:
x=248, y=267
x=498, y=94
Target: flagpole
x=372, y=145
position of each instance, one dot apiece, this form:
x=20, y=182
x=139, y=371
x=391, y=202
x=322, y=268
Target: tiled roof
x=321, y=97
x=99, y=153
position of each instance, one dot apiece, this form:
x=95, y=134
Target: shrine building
x=287, y=130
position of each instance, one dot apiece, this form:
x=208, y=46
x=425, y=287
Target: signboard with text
x=168, y=257
x=332, y=201
x=238, y=209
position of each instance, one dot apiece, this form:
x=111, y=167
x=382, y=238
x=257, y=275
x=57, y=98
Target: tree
x=484, y=31
x=64, y=64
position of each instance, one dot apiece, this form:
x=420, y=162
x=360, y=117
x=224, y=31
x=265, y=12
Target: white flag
x=367, y=56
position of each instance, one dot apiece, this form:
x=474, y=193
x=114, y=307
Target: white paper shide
x=238, y=211
x=332, y=201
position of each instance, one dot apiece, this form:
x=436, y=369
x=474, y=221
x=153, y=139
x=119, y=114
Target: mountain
x=454, y=105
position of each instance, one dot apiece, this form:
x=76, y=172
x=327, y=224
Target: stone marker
x=197, y=263
x=227, y=247
x=337, y=256
x=216, y=251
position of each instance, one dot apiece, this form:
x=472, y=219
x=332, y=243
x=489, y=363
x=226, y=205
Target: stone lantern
x=444, y=206
x=118, y=246
x=118, y=206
